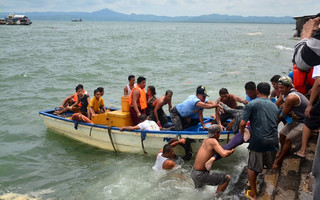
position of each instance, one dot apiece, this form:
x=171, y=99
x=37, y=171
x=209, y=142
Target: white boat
x=109, y=137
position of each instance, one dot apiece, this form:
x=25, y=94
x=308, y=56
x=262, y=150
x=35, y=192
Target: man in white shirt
x=146, y=124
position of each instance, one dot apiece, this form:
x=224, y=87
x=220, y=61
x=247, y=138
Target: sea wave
x=284, y=48
x=256, y=33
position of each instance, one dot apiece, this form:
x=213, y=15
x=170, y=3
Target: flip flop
x=300, y=156
x=247, y=194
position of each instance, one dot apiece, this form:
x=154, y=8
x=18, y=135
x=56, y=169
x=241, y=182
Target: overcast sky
x=169, y=7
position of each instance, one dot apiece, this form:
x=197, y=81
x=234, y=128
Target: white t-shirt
x=149, y=125
x=316, y=71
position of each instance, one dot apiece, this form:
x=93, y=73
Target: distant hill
x=109, y=15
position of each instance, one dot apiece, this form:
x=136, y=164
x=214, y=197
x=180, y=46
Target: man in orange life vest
x=138, y=100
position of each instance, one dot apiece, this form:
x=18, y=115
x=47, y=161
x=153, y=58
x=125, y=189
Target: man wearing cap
x=294, y=105
x=264, y=143
x=181, y=114
x=200, y=175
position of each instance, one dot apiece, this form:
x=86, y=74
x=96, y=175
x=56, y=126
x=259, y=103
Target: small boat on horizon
x=77, y=20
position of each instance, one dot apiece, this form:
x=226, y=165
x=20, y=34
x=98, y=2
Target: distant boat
x=77, y=20
x=13, y=19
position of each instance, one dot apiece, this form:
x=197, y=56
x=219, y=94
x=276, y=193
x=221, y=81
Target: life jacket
x=75, y=97
x=302, y=80
x=142, y=100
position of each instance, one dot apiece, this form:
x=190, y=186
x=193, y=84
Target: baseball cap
x=213, y=129
x=285, y=80
x=202, y=90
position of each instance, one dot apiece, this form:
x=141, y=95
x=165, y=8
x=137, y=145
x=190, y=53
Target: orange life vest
x=142, y=100
x=75, y=97
x=302, y=80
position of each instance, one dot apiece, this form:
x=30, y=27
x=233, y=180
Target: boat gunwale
x=161, y=132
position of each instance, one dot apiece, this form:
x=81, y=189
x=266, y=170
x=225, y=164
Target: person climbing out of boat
x=275, y=93
x=127, y=89
x=181, y=113
x=76, y=104
x=138, y=100
x=294, y=106
x=158, y=114
x=96, y=103
x=251, y=91
x=151, y=98
x=264, y=142
x=237, y=139
x=199, y=174
x=146, y=124
x=231, y=101
x=69, y=101
x=166, y=158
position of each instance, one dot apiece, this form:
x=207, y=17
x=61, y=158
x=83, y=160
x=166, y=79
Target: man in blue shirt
x=264, y=142
x=182, y=113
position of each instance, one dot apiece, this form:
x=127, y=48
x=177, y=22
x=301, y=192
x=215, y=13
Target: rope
x=143, y=137
x=110, y=137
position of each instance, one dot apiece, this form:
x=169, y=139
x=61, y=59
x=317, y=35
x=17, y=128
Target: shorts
x=293, y=132
x=313, y=122
x=135, y=119
x=202, y=178
x=257, y=160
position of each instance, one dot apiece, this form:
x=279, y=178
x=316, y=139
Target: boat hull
x=149, y=142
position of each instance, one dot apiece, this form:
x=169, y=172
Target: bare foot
x=300, y=154
x=209, y=163
x=276, y=164
x=248, y=194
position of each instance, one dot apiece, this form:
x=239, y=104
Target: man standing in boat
x=181, y=113
x=127, y=89
x=138, y=100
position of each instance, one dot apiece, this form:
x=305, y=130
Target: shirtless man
x=200, y=175
x=228, y=99
x=127, y=89
x=159, y=115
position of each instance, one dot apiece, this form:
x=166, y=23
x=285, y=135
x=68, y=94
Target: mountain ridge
x=110, y=15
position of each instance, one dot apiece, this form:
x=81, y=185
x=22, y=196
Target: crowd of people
x=292, y=101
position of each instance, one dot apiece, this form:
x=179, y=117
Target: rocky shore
x=293, y=180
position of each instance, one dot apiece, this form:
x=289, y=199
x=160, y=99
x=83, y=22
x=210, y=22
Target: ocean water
x=41, y=64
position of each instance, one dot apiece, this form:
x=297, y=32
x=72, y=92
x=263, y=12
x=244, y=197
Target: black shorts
x=257, y=160
x=202, y=178
x=313, y=122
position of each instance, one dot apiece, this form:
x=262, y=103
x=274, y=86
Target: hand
x=121, y=129
x=219, y=106
x=310, y=27
x=182, y=141
x=307, y=111
x=222, y=127
x=138, y=114
x=204, y=127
